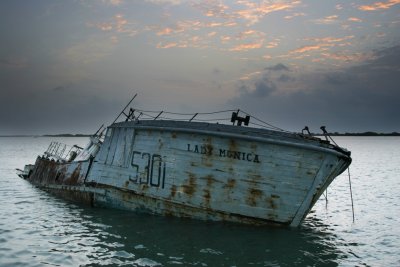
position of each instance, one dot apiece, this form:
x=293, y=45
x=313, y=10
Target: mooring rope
x=351, y=193
x=326, y=195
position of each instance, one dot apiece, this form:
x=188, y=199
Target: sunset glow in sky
x=69, y=66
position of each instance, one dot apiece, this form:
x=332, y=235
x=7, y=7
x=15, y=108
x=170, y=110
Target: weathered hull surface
x=204, y=172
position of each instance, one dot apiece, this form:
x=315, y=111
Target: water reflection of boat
x=195, y=169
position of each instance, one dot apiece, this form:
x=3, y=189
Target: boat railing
x=62, y=152
x=231, y=116
x=234, y=116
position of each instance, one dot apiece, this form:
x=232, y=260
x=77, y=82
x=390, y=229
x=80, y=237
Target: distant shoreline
x=361, y=134
x=331, y=134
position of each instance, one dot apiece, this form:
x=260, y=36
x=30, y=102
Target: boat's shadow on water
x=114, y=237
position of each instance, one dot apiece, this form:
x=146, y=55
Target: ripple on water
x=37, y=229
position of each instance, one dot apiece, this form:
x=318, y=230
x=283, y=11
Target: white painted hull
x=213, y=172
x=199, y=170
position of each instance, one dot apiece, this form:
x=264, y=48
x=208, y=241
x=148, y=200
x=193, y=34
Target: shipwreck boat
x=194, y=169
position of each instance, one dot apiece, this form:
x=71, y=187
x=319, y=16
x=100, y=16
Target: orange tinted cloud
x=354, y=19
x=249, y=75
x=339, y=7
x=225, y=38
x=119, y=24
x=255, y=11
x=272, y=44
x=250, y=34
x=105, y=26
x=331, y=39
x=167, y=45
x=246, y=47
x=322, y=44
x=295, y=15
x=379, y=5
x=348, y=57
x=212, y=8
x=327, y=20
x=165, y=31
x=306, y=48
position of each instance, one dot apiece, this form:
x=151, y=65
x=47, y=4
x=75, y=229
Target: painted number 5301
x=148, y=169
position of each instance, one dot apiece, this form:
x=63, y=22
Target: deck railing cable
x=140, y=114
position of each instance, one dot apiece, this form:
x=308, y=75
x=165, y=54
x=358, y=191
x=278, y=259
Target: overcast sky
x=70, y=66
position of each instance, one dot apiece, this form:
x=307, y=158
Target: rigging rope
x=194, y=117
x=158, y=115
x=266, y=123
x=187, y=114
x=351, y=193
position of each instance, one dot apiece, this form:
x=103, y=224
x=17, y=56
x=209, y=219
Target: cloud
x=286, y=78
x=165, y=31
x=194, y=34
x=331, y=39
x=294, y=15
x=163, y=2
x=118, y=25
x=213, y=8
x=250, y=75
x=321, y=46
x=250, y=33
x=246, y=47
x=168, y=45
x=255, y=11
x=59, y=88
x=354, y=19
x=250, y=11
x=358, y=98
x=246, y=40
x=13, y=63
x=327, y=20
x=348, y=57
x=278, y=67
x=379, y=5
x=113, y=2
x=88, y=51
x=260, y=89
x=339, y=7
x=308, y=48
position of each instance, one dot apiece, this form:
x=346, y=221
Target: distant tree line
x=363, y=134
x=67, y=135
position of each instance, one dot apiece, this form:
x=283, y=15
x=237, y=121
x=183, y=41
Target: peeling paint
x=163, y=168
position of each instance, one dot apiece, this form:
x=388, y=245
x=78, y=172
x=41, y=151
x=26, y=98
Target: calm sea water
x=38, y=229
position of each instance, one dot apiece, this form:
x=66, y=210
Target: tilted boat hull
x=199, y=170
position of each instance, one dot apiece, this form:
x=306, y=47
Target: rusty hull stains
x=207, y=197
x=253, y=196
x=51, y=172
x=230, y=184
x=173, y=191
x=62, y=178
x=190, y=187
